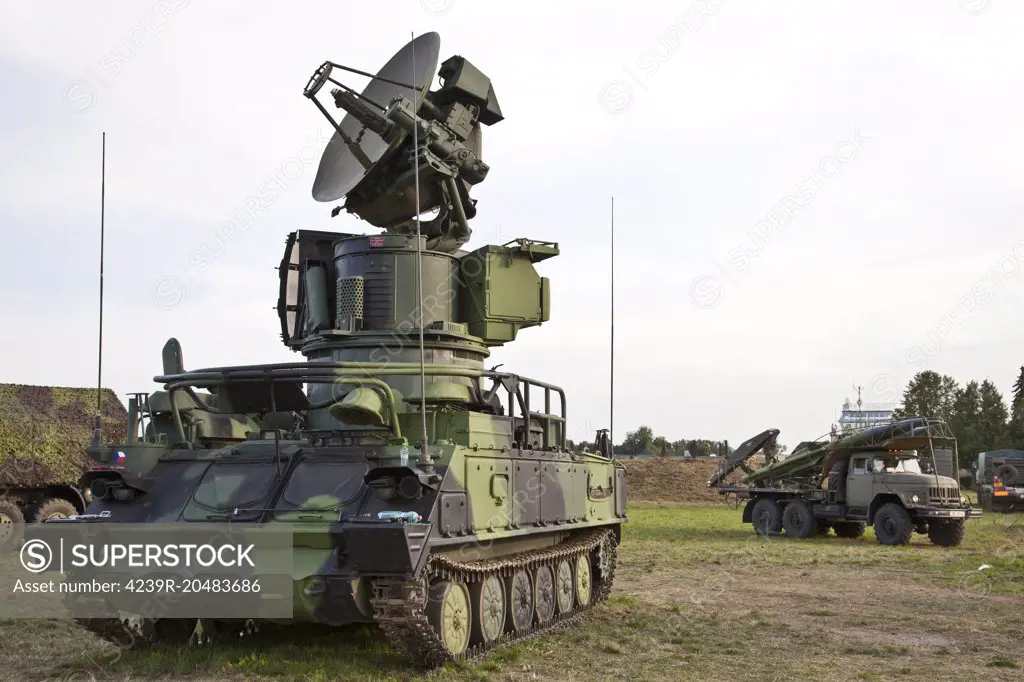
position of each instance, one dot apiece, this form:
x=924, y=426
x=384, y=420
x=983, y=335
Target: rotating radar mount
x=372, y=158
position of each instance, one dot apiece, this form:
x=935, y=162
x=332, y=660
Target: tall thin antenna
x=419, y=260
x=860, y=410
x=611, y=387
x=96, y=436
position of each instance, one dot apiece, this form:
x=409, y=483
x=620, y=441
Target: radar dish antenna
x=355, y=148
x=403, y=150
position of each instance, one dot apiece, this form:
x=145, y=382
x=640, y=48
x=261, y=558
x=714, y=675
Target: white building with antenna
x=861, y=415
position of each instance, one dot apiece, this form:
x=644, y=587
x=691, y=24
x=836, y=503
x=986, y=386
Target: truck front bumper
x=949, y=513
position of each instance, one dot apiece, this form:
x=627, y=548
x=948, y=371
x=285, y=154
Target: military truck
x=998, y=479
x=44, y=431
x=898, y=477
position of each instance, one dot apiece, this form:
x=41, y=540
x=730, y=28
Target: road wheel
x=54, y=508
x=544, y=593
x=564, y=586
x=798, y=520
x=12, y=525
x=583, y=579
x=519, y=592
x=849, y=529
x=767, y=517
x=488, y=599
x=947, y=533
x=449, y=613
x=893, y=525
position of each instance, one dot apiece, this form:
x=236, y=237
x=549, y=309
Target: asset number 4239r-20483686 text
x=192, y=585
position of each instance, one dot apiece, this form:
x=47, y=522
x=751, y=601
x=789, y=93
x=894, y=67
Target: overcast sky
x=808, y=195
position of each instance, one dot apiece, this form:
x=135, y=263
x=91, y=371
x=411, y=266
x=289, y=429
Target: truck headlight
x=915, y=499
x=315, y=586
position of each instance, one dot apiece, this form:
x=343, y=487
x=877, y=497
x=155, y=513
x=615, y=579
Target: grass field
x=697, y=596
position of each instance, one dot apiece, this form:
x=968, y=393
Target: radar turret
x=414, y=152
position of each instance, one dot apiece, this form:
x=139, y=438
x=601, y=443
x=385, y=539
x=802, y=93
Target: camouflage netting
x=44, y=431
x=663, y=479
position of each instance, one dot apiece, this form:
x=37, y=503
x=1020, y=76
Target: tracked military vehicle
x=427, y=494
x=899, y=477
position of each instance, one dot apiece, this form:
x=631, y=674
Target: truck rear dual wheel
x=893, y=525
x=12, y=525
x=947, y=533
x=798, y=520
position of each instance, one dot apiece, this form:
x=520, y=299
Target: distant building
x=864, y=415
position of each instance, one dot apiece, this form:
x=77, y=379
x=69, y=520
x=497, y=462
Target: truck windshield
x=889, y=465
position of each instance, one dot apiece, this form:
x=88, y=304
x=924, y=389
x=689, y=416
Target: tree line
x=642, y=441
x=976, y=412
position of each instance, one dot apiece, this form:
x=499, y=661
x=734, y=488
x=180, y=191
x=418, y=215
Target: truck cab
x=900, y=493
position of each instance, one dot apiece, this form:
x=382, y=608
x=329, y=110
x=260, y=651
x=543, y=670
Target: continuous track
x=400, y=605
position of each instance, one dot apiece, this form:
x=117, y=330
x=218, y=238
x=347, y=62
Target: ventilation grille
x=448, y=327
x=349, y=299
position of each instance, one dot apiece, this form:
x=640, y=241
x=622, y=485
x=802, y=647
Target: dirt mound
x=659, y=479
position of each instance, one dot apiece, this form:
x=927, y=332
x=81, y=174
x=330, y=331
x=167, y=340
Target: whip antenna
x=419, y=271
x=611, y=388
x=96, y=435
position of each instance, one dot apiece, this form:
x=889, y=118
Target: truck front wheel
x=767, y=517
x=798, y=520
x=893, y=525
x=947, y=533
x=12, y=525
x=55, y=508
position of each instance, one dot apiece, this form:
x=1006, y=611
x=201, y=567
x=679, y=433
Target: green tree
x=661, y=446
x=928, y=394
x=966, y=418
x=639, y=442
x=991, y=418
x=1015, y=429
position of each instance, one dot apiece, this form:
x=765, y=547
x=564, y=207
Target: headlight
x=315, y=586
x=915, y=499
